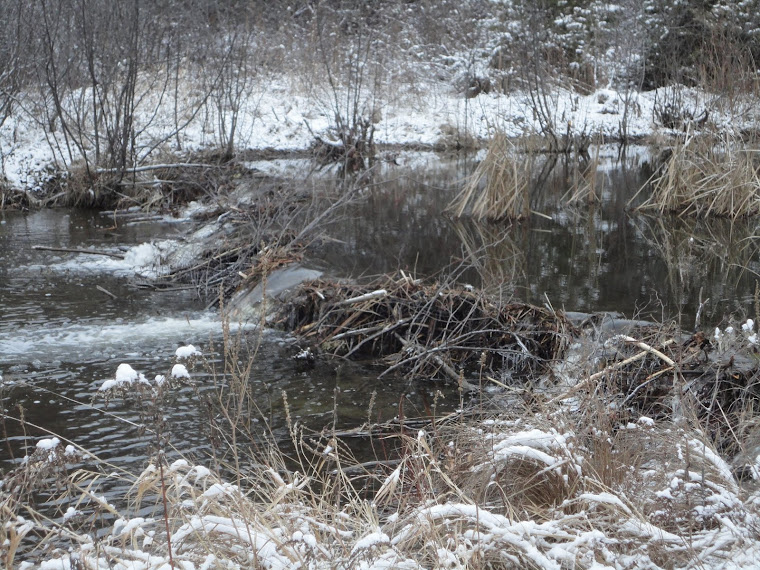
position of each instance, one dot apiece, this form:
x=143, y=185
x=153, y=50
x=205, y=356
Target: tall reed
x=500, y=187
x=707, y=176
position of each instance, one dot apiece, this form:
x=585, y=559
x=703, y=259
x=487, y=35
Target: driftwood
x=77, y=250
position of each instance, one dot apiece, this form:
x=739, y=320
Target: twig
x=166, y=508
x=450, y=372
x=77, y=250
x=702, y=304
x=638, y=356
x=381, y=332
x=380, y=293
x=366, y=466
x=106, y=291
x=644, y=346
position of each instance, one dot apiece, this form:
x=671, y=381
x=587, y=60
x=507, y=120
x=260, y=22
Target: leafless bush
x=351, y=48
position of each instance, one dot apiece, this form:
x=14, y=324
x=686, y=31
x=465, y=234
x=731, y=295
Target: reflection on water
x=590, y=256
x=60, y=336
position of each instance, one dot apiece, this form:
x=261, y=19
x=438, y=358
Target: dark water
x=61, y=337
x=585, y=257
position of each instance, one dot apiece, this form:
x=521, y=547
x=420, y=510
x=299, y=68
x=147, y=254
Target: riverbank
x=277, y=119
x=561, y=472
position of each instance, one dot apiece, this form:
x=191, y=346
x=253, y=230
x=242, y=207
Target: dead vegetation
x=512, y=486
x=159, y=187
x=609, y=471
x=426, y=330
x=500, y=186
x=260, y=225
x=705, y=176
x=711, y=380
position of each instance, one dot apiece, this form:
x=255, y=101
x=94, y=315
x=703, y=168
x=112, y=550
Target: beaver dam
x=428, y=331
x=458, y=335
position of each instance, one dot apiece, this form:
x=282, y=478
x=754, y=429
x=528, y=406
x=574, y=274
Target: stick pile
x=425, y=330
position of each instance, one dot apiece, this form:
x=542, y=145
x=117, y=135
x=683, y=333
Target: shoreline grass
x=529, y=478
x=706, y=176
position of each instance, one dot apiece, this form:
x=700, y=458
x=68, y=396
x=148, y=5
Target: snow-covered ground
x=276, y=115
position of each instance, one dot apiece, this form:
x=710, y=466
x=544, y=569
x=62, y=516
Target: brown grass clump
x=704, y=176
x=500, y=186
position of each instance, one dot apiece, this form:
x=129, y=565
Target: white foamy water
x=145, y=259
x=81, y=342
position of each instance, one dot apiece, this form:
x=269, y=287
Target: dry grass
x=500, y=187
x=706, y=176
x=585, y=187
x=495, y=253
x=517, y=481
x=520, y=489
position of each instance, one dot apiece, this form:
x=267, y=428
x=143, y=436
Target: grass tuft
x=705, y=176
x=500, y=187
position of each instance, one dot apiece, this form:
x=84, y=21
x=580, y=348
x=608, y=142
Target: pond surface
x=61, y=335
x=587, y=257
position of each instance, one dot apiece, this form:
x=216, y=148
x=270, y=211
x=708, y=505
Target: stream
x=67, y=320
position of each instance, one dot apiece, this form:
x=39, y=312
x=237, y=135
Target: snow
x=179, y=371
x=124, y=527
x=372, y=539
x=125, y=376
x=534, y=444
x=278, y=116
x=220, y=527
x=48, y=444
x=607, y=498
x=70, y=512
x=187, y=351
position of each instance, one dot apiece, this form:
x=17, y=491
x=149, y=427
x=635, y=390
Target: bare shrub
x=680, y=109
x=351, y=46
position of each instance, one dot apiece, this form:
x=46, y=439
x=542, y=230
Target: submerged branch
x=77, y=250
